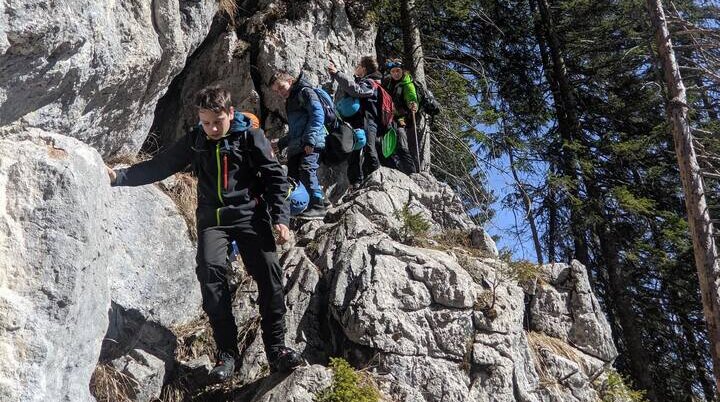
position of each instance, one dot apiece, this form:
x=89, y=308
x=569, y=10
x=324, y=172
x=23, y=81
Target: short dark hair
x=280, y=75
x=214, y=98
x=369, y=63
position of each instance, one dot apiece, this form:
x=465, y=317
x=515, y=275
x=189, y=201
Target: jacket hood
x=300, y=82
x=377, y=75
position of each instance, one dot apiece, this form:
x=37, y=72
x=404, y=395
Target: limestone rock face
x=54, y=296
x=565, y=307
x=302, y=385
x=151, y=272
x=269, y=35
x=438, y=325
x=94, y=70
x=147, y=374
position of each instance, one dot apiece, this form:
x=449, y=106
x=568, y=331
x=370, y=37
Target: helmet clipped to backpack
x=299, y=197
x=360, y=139
x=348, y=106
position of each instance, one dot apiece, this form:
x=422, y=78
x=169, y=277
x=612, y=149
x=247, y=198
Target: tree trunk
x=412, y=45
x=415, y=62
x=701, y=228
x=527, y=204
x=566, y=109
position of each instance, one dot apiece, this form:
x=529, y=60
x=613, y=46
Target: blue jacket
x=306, y=119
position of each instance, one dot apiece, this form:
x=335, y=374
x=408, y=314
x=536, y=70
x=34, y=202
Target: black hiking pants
x=402, y=160
x=257, y=250
x=365, y=161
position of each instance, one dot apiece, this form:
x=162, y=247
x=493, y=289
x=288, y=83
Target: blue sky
x=502, y=225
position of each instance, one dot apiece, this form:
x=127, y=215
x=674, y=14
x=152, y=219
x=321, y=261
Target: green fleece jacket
x=403, y=93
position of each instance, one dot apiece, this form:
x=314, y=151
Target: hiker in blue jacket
x=361, y=86
x=306, y=136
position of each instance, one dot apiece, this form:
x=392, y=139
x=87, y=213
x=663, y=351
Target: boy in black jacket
x=242, y=191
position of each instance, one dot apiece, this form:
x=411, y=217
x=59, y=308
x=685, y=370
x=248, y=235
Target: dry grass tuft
x=454, y=239
x=183, y=191
x=541, y=344
x=107, y=384
x=194, y=339
x=229, y=7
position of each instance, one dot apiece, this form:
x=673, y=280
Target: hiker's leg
x=293, y=165
x=370, y=158
x=257, y=250
x=212, y=265
x=354, y=170
x=406, y=163
x=308, y=175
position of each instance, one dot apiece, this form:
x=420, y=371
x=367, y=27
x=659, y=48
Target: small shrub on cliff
x=616, y=389
x=414, y=227
x=348, y=385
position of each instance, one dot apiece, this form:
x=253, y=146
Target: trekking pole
x=417, y=147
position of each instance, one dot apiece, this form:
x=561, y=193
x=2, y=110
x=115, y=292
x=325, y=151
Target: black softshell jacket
x=238, y=176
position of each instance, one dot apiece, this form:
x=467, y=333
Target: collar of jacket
x=300, y=83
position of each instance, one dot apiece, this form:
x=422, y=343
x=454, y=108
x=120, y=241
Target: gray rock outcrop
x=94, y=70
x=151, y=272
x=437, y=324
x=146, y=374
x=54, y=291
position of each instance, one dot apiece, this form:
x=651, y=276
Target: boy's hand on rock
x=111, y=173
x=331, y=68
x=283, y=233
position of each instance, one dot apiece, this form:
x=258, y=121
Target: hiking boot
x=314, y=212
x=286, y=360
x=224, y=368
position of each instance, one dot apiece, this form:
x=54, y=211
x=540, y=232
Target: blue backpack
x=331, y=118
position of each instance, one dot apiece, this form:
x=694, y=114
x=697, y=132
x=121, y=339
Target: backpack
x=428, y=103
x=331, y=117
x=387, y=108
x=339, y=143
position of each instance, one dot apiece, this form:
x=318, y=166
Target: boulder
x=94, y=70
x=54, y=296
x=151, y=274
x=145, y=372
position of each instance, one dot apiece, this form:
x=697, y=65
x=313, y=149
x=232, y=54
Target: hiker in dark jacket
x=399, y=84
x=362, y=162
x=242, y=192
x=306, y=136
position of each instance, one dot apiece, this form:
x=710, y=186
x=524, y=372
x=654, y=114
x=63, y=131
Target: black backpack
x=428, y=103
x=331, y=117
x=339, y=144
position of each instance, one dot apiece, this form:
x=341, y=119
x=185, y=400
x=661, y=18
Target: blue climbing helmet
x=360, y=139
x=348, y=106
x=299, y=197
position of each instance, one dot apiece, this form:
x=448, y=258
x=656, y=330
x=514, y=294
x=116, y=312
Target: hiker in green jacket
x=399, y=84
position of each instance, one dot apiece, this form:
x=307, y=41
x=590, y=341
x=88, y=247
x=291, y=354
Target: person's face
x=360, y=71
x=396, y=73
x=216, y=124
x=282, y=88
